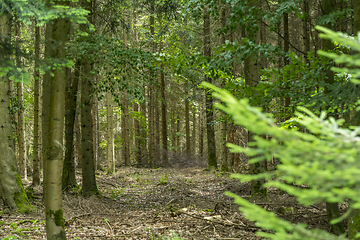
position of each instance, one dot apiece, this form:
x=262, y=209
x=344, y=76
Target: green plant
x=163, y=180
x=325, y=159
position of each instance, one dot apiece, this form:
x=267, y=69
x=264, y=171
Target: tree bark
x=165, y=160
x=126, y=130
x=187, y=126
x=68, y=178
x=252, y=77
x=54, y=150
x=212, y=161
x=11, y=186
x=36, y=157
x=89, y=187
x=110, y=134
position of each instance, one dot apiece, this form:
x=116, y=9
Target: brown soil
x=159, y=204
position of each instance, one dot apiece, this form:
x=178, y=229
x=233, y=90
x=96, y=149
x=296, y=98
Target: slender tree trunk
x=224, y=166
x=95, y=131
x=201, y=129
x=144, y=126
x=21, y=119
x=193, y=135
x=68, y=178
x=187, y=126
x=329, y=6
x=252, y=78
x=152, y=137
x=36, y=157
x=165, y=160
x=46, y=101
x=212, y=161
x=11, y=186
x=110, y=134
x=137, y=135
x=54, y=161
x=178, y=142
x=126, y=130
x=88, y=169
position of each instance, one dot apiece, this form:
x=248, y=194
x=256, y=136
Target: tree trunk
x=152, y=138
x=212, y=161
x=11, y=186
x=89, y=187
x=126, y=130
x=110, y=134
x=137, y=135
x=54, y=161
x=252, y=78
x=193, y=135
x=68, y=178
x=187, y=126
x=36, y=158
x=21, y=120
x=46, y=101
x=95, y=122
x=201, y=129
x=354, y=218
x=165, y=160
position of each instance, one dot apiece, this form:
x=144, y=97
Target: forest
x=173, y=119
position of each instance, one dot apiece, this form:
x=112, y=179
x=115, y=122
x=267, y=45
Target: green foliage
x=163, y=180
x=323, y=159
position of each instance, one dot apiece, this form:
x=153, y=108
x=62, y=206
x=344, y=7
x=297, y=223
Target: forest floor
x=139, y=203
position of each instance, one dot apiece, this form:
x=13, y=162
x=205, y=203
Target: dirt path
x=157, y=204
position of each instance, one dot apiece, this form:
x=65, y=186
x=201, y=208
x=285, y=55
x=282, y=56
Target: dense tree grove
x=97, y=85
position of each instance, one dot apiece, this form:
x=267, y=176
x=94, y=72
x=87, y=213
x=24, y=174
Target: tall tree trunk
x=165, y=160
x=329, y=6
x=36, y=157
x=224, y=166
x=53, y=192
x=152, y=137
x=11, y=187
x=178, y=134
x=21, y=119
x=46, y=85
x=212, y=161
x=110, y=134
x=252, y=78
x=88, y=167
x=144, y=135
x=193, y=135
x=137, y=135
x=187, y=126
x=201, y=129
x=95, y=122
x=354, y=218
x=126, y=130
x=68, y=178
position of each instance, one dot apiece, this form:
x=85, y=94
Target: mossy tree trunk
x=11, y=187
x=53, y=190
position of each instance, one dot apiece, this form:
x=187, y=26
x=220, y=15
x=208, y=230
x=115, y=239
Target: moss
x=20, y=198
x=354, y=224
x=59, y=219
